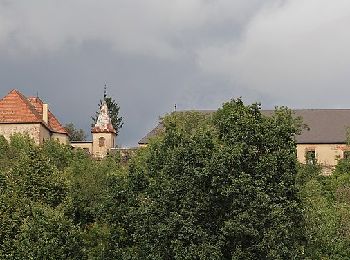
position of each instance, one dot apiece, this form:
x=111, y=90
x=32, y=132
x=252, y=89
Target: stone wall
x=33, y=130
x=326, y=154
x=45, y=134
x=62, y=138
x=86, y=146
x=99, y=150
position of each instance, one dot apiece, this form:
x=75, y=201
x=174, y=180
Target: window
x=346, y=154
x=310, y=157
x=101, y=142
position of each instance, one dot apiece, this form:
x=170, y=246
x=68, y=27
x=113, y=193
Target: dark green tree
x=4, y=153
x=75, y=134
x=113, y=111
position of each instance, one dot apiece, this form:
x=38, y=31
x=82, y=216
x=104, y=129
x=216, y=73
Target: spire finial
x=105, y=92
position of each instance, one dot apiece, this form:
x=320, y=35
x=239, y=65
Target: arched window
x=101, y=141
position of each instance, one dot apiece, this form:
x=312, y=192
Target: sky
x=153, y=54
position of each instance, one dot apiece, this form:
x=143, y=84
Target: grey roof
x=151, y=134
x=326, y=126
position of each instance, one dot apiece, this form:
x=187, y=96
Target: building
x=19, y=114
x=103, y=135
x=324, y=140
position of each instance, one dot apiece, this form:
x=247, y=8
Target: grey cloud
x=294, y=51
x=155, y=53
x=146, y=27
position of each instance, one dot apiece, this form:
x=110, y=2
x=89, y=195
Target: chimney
x=46, y=113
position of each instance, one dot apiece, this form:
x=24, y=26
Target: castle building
x=19, y=114
x=325, y=140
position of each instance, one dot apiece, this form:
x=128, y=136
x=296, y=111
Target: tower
x=103, y=133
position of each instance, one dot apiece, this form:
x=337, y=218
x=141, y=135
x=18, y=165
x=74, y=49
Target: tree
x=29, y=180
x=75, y=134
x=48, y=234
x=220, y=188
x=58, y=203
x=326, y=210
x=113, y=112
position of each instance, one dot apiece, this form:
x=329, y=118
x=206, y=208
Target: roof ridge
x=28, y=104
x=36, y=99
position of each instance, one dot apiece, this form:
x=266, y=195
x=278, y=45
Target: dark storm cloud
x=155, y=53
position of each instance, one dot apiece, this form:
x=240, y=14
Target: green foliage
x=307, y=172
x=221, y=188
x=21, y=143
x=111, y=234
x=4, y=153
x=342, y=167
x=37, y=179
x=75, y=134
x=211, y=186
x=87, y=191
x=4, y=146
x=48, y=234
x=14, y=209
x=56, y=203
x=58, y=154
x=326, y=207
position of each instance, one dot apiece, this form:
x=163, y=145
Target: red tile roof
x=16, y=108
x=54, y=124
x=109, y=129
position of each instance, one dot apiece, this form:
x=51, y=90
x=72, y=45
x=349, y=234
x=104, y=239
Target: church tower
x=103, y=133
